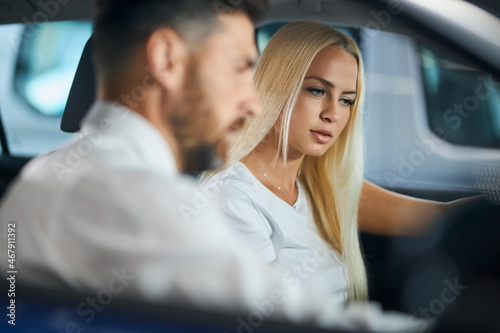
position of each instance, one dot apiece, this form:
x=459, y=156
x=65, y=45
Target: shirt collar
x=111, y=118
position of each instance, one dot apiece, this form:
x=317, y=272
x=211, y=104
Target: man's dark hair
x=121, y=25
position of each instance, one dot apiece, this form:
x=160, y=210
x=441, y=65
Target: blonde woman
x=294, y=177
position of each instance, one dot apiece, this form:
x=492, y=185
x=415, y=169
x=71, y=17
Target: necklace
x=278, y=187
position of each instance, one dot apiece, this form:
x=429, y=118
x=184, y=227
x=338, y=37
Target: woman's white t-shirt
x=279, y=233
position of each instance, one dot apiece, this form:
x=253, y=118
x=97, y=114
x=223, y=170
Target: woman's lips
x=322, y=136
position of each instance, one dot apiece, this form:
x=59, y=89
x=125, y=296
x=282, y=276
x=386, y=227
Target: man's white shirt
x=110, y=211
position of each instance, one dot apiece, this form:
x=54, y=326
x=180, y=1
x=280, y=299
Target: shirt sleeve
x=243, y=215
x=157, y=239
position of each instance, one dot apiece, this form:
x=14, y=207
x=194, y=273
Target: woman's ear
x=167, y=55
x=278, y=123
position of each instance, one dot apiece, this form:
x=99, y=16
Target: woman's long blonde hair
x=332, y=181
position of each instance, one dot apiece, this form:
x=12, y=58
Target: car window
x=463, y=103
x=46, y=64
x=38, y=66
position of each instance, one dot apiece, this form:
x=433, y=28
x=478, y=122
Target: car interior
x=428, y=134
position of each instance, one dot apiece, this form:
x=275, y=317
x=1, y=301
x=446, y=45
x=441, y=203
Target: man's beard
x=195, y=125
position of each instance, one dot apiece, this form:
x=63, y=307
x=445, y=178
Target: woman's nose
x=330, y=114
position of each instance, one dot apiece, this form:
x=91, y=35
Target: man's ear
x=167, y=57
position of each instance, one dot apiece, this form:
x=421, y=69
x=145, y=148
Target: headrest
x=82, y=93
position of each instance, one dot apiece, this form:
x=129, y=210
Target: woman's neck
x=278, y=177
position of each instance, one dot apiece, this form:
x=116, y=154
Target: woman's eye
x=316, y=91
x=346, y=101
